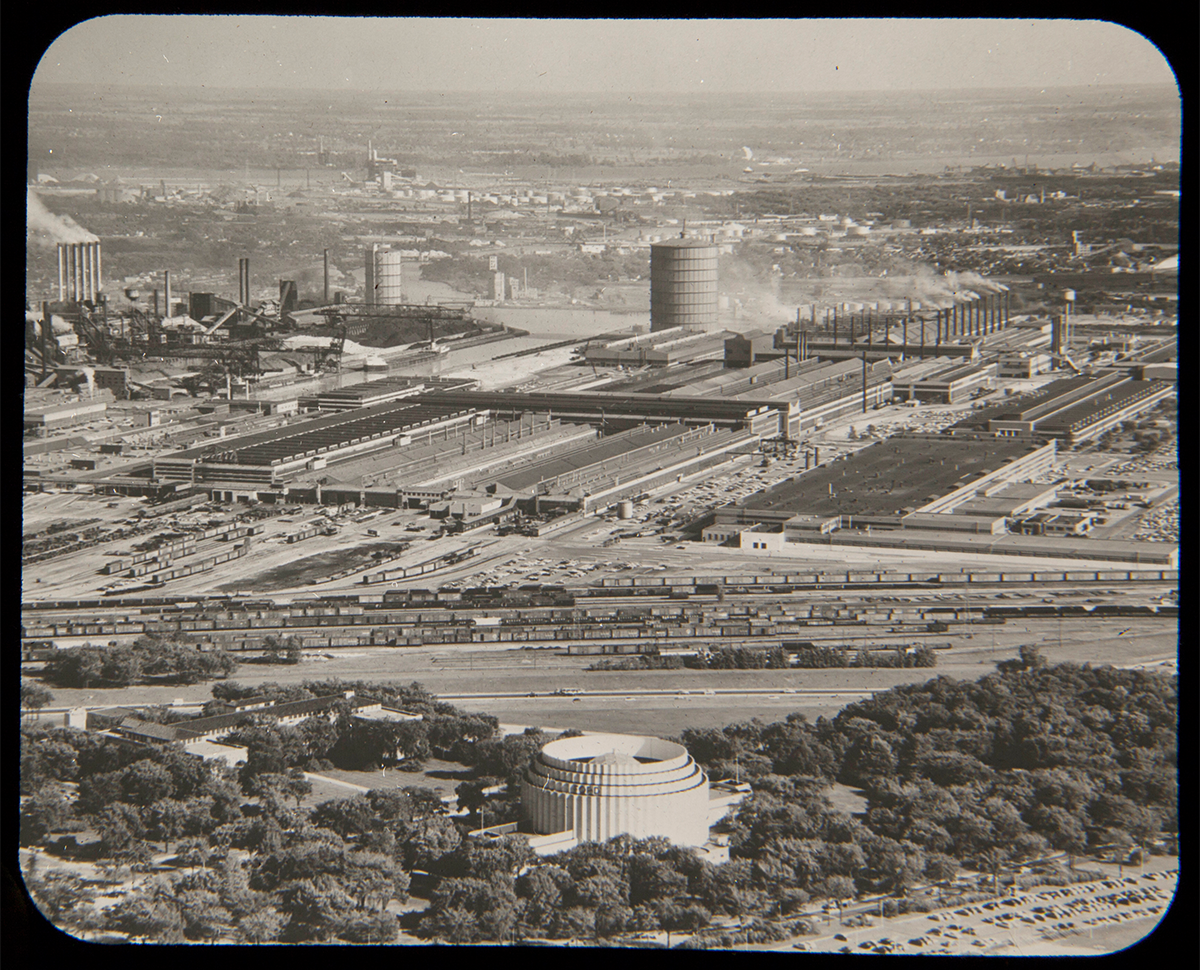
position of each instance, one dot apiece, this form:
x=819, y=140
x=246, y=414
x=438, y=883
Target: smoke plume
x=43, y=227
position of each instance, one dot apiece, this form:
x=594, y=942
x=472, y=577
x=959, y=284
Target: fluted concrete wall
x=666, y=796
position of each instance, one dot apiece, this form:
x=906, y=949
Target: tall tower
x=385, y=282
x=683, y=284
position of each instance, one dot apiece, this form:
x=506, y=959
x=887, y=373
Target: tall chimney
x=167, y=289
x=62, y=281
x=327, y=277
x=98, y=276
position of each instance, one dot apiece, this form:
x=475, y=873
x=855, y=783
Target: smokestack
x=326, y=256
x=167, y=289
x=864, y=380
x=62, y=267
x=46, y=326
x=98, y=275
x=244, y=281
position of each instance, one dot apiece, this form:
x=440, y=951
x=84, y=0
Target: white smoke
x=90, y=376
x=43, y=227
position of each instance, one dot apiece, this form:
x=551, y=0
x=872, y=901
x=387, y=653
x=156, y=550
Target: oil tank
x=385, y=285
x=683, y=284
x=624, y=510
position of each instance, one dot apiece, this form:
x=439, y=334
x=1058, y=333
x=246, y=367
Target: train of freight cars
x=393, y=628
x=700, y=585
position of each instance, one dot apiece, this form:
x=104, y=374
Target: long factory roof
x=263, y=447
x=888, y=476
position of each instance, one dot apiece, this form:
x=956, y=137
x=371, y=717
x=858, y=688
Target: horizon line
x=653, y=92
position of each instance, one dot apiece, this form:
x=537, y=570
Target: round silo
x=385, y=284
x=683, y=284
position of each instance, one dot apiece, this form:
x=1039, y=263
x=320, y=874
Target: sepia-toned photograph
x=662, y=484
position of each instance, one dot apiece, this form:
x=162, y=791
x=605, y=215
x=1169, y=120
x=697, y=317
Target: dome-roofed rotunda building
x=602, y=785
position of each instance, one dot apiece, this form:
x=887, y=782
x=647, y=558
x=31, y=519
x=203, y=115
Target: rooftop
x=885, y=478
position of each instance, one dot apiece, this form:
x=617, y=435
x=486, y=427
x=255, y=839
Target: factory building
x=1024, y=365
x=1072, y=410
x=947, y=385
x=659, y=348
x=596, y=787
x=57, y=416
x=683, y=284
x=886, y=481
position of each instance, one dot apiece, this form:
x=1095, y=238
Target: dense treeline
x=151, y=658
x=956, y=775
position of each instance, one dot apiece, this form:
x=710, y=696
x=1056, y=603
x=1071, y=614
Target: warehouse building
x=946, y=385
x=660, y=348
x=890, y=479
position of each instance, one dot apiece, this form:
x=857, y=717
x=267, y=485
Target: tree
x=203, y=915
x=470, y=793
x=317, y=908
x=1060, y=828
x=59, y=894
x=33, y=698
x=372, y=879
x=43, y=813
x=260, y=926
x=154, y=916
x=376, y=928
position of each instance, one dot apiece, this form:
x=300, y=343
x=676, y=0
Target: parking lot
x=1047, y=920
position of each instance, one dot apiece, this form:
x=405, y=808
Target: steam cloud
x=45, y=228
x=942, y=290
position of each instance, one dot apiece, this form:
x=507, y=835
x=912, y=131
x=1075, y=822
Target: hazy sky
x=559, y=56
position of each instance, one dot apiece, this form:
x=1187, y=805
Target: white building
x=596, y=787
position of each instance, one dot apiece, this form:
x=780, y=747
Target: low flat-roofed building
x=897, y=476
x=744, y=349
x=1024, y=366
x=1053, y=524
x=943, y=522
x=947, y=386
x=64, y=415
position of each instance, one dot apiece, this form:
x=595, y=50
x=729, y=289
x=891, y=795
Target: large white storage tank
x=385, y=278
x=683, y=284
x=603, y=785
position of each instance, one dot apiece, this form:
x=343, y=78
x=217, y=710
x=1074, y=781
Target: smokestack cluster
x=79, y=272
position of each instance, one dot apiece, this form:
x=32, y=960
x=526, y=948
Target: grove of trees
x=956, y=775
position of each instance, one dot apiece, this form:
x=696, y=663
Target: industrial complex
x=553, y=521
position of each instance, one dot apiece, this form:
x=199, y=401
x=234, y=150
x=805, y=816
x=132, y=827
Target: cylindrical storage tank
x=625, y=510
x=683, y=284
x=604, y=785
x=384, y=277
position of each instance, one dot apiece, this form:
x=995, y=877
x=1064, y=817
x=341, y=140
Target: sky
x=600, y=56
